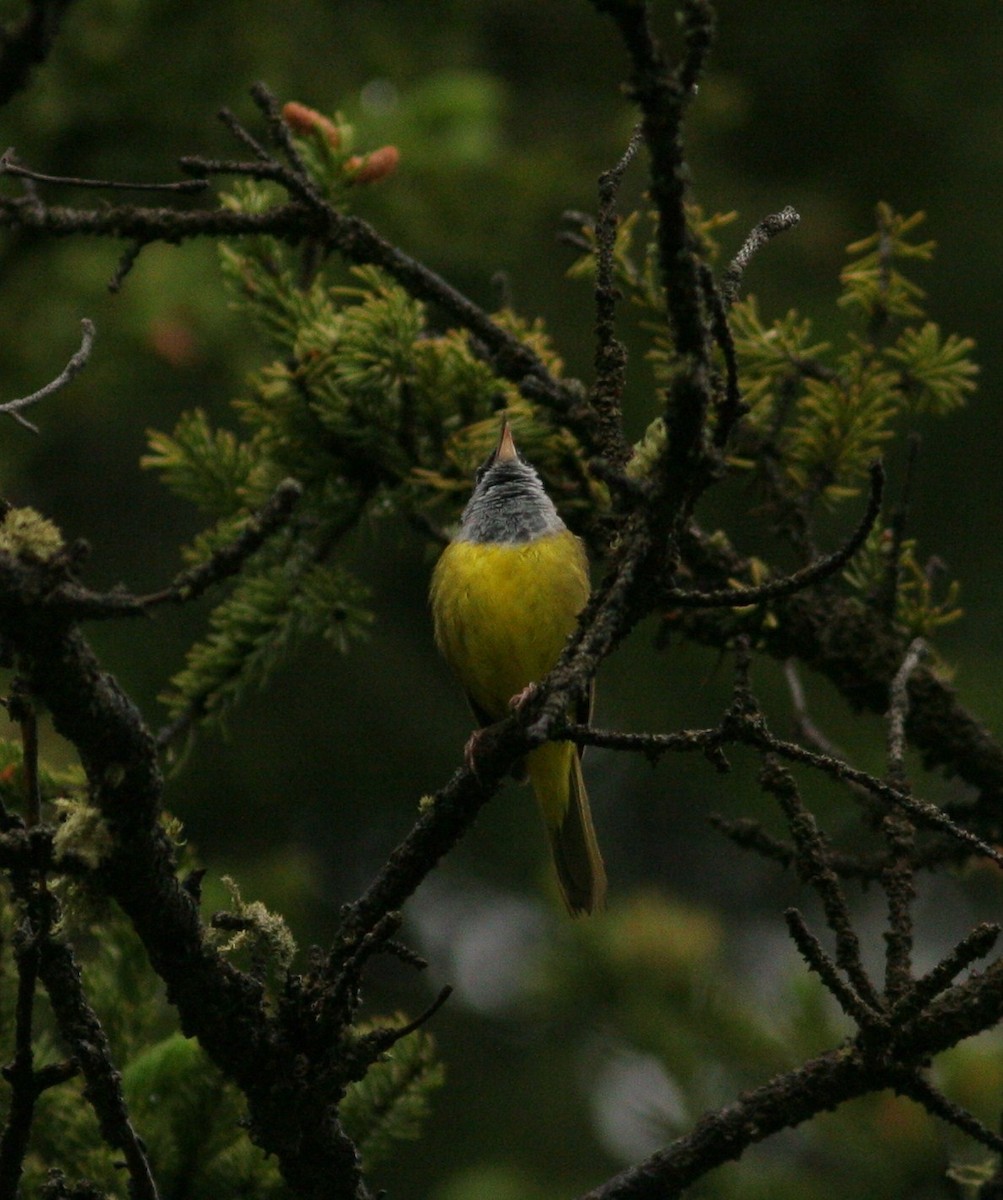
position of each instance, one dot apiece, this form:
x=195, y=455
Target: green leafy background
x=568, y=1050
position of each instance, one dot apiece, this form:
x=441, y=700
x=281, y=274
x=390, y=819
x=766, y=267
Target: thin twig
x=76, y=364
x=937, y=1104
x=380, y=1040
x=652, y=745
x=229, y=559
x=243, y=136
x=308, y=217
x=84, y=1036
x=974, y=945
x=804, y=726
x=898, y=877
x=20, y=1073
x=765, y=231
x=811, y=951
x=750, y=835
x=887, y=598
x=898, y=711
x=126, y=262
x=610, y=355
x=924, y=813
x=730, y=408
x=662, y=93
x=821, y=569
x=9, y=166
x=813, y=867
x=82, y=604
x=280, y=132
x=898, y=880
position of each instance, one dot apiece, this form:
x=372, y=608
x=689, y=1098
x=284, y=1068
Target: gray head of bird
x=508, y=503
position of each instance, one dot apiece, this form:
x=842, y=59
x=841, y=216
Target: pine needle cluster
x=818, y=414
x=373, y=412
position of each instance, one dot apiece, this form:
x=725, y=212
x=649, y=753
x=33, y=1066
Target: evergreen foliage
x=376, y=405
x=390, y=1104
x=373, y=412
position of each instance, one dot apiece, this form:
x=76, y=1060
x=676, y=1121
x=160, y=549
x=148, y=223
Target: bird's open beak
x=505, y=450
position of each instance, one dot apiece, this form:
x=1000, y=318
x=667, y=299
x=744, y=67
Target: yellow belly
x=503, y=612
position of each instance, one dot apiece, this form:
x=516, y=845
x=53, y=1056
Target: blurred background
x=570, y=1049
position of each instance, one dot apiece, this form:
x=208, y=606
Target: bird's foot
x=470, y=751
x=523, y=697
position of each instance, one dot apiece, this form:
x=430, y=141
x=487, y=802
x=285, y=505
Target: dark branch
x=309, y=217
x=899, y=873
x=228, y=560
x=921, y=811
x=938, y=1105
x=27, y=45
x=381, y=1040
x=730, y=408
x=813, y=867
x=854, y=648
x=814, y=573
x=610, y=354
x=973, y=946
x=79, y=603
x=811, y=951
x=820, y=1085
x=86, y=1040
x=663, y=94
x=20, y=1072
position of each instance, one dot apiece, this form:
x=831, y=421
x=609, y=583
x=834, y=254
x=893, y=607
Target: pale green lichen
x=83, y=833
x=25, y=533
x=647, y=451
x=265, y=931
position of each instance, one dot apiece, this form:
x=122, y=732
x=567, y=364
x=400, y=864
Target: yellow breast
x=504, y=611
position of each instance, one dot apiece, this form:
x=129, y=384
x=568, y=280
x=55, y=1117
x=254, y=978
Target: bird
x=505, y=596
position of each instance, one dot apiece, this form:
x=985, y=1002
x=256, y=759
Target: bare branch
x=730, y=408
x=28, y=44
x=82, y=1032
x=663, y=94
x=973, y=946
x=938, y=1105
x=924, y=813
x=81, y=604
x=820, y=1085
x=813, y=867
x=20, y=1072
x=898, y=711
x=610, y=354
x=804, y=726
x=765, y=231
x=821, y=569
x=228, y=560
x=73, y=367
x=811, y=951
x=10, y=166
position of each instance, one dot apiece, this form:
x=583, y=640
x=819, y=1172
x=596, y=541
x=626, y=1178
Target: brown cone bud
x=304, y=121
x=376, y=165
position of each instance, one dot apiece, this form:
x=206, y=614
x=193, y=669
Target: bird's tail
x=556, y=772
